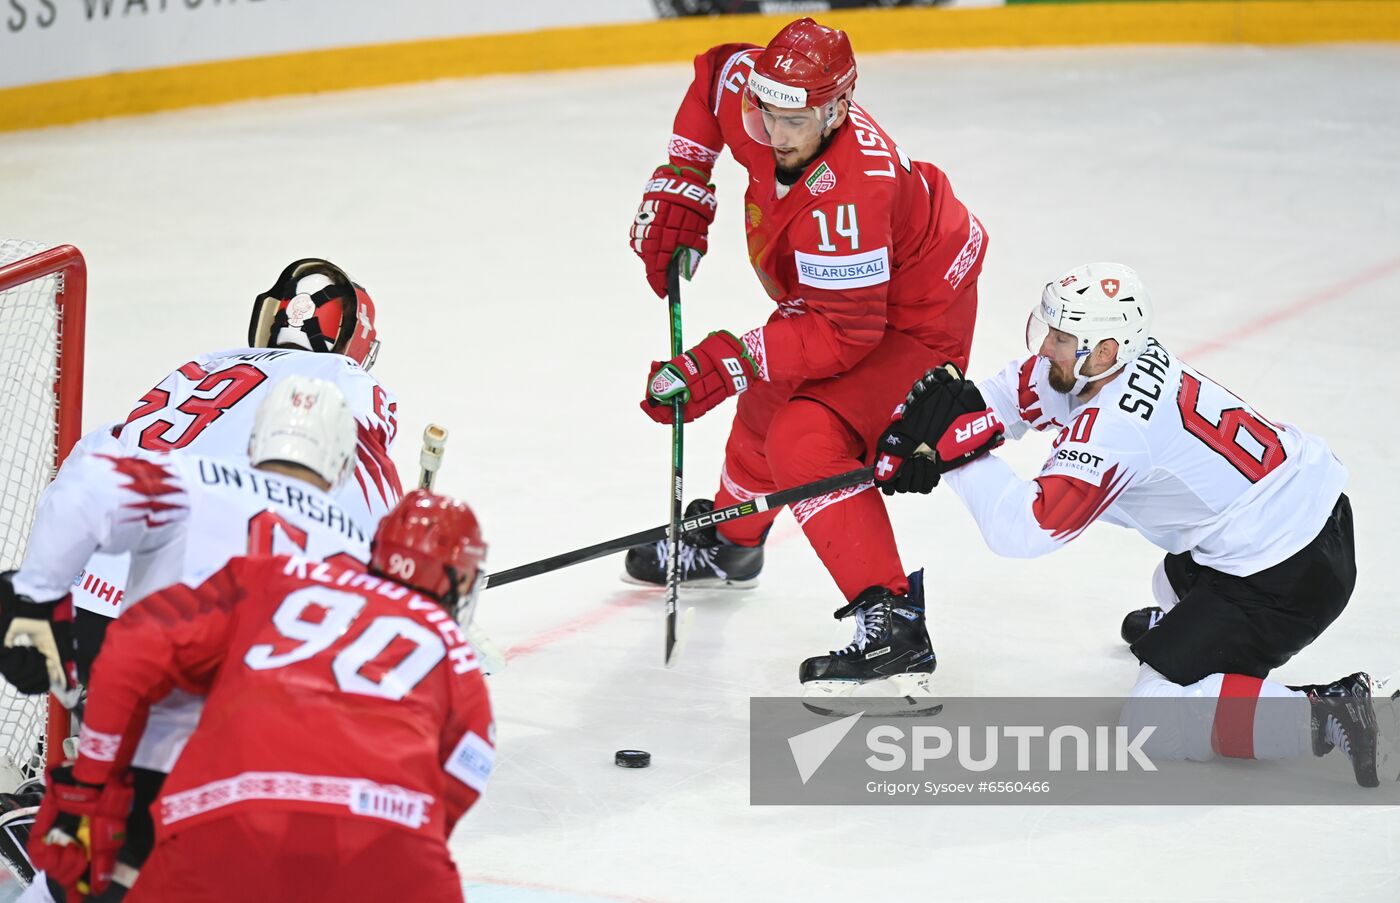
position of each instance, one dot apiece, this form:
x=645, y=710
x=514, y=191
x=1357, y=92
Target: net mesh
x=29, y=337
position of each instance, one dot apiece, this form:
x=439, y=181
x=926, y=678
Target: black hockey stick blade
x=688, y=525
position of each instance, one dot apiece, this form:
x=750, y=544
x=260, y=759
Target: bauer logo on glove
x=691, y=191
x=673, y=222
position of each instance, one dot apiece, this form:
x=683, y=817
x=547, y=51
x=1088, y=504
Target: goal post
x=43, y=299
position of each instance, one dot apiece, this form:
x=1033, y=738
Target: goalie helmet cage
x=43, y=295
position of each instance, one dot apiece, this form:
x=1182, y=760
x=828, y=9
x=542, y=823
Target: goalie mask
x=432, y=544
x=305, y=421
x=314, y=305
x=1094, y=302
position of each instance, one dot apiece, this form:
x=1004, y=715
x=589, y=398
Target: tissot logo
x=1074, y=456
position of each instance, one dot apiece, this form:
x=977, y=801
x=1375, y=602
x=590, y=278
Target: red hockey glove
x=674, y=218
x=968, y=437
x=701, y=378
x=79, y=829
x=945, y=416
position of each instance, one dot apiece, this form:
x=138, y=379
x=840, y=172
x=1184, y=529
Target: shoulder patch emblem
x=822, y=179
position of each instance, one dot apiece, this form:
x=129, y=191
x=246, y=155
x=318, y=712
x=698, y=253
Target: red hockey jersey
x=329, y=691
x=866, y=240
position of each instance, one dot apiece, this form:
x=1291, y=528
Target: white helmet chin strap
x=1081, y=382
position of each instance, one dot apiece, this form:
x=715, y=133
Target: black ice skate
x=706, y=561
x=1137, y=623
x=887, y=667
x=1343, y=717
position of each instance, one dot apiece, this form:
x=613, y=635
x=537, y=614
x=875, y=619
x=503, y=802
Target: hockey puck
x=632, y=758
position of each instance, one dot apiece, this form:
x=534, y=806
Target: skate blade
x=695, y=584
x=903, y=695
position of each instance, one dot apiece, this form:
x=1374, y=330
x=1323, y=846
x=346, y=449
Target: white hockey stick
x=493, y=660
x=430, y=459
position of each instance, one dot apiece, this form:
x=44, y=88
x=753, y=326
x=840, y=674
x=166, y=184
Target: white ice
x=1257, y=191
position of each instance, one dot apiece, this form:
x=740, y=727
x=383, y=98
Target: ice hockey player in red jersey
x=873, y=265
x=313, y=321
x=1258, y=533
x=346, y=726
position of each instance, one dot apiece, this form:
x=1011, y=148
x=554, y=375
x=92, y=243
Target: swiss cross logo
x=1109, y=286
x=885, y=466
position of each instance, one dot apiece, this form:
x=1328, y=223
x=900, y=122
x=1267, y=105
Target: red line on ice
x=1301, y=306
x=609, y=610
x=605, y=612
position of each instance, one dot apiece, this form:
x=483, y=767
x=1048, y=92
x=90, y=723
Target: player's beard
x=1062, y=380
x=789, y=173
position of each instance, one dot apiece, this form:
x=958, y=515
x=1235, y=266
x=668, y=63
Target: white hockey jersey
x=1162, y=449
x=181, y=517
x=208, y=405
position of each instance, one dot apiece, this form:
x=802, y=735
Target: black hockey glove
x=37, y=654
x=918, y=448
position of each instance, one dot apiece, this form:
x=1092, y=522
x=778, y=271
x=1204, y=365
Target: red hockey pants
x=786, y=434
x=293, y=857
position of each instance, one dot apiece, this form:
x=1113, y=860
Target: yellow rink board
x=674, y=40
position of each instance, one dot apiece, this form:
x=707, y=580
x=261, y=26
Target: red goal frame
x=70, y=300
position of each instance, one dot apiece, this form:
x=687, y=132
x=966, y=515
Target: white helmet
x=1094, y=302
x=305, y=421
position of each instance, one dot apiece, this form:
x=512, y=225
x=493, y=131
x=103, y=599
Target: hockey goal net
x=42, y=305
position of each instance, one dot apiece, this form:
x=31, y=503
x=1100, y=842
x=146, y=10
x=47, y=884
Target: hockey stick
x=430, y=458
x=673, y=535
x=493, y=661
x=688, y=525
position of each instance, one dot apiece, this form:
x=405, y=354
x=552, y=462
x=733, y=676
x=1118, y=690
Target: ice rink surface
x=1257, y=191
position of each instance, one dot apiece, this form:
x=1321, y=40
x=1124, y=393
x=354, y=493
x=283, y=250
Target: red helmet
x=315, y=305
x=431, y=543
x=796, y=82
x=815, y=63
